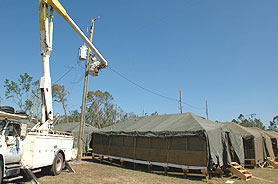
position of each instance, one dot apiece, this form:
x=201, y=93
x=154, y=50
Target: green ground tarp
x=74, y=129
x=187, y=124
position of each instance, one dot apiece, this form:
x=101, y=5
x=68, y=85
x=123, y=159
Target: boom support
x=46, y=35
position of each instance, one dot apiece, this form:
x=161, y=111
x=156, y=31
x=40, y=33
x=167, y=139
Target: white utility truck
x=23, y=150
x=41, y=147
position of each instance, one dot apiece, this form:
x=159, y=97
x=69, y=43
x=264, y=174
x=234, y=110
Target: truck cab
x=12, y=135
x=11, y=141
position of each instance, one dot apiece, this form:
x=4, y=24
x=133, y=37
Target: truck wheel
x=57, y=166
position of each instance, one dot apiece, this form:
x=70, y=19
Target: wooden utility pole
x=207, y=110
x=84, y=99
x=180, y=102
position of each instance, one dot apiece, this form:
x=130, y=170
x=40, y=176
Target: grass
x=89, y=171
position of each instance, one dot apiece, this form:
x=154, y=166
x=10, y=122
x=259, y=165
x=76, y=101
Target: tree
x=258, y=123
x=36, y=99
x=108, y=109
x=94, y=103
x=273, y=125
x=154, y=114
x=74, y=116
x=60, y=95
x=250, y=122
x=100, y=109
x=20, y=92
x=235, y=121
x=122, y=115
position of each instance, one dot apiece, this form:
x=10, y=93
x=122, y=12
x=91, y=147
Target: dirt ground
x=89, y=171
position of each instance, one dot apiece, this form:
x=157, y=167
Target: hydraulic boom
x=46, y=35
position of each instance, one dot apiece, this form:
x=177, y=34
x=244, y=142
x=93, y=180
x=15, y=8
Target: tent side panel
x=189, y=151
x=274, y=146
x=249, y=149
x=100, y=144
x=159, y=150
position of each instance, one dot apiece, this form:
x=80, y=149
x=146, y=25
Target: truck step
x=12, y=179
x=9, y=166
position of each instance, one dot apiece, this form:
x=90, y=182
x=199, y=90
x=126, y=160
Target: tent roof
x=74, y=127
x=187, y=122
x=272, y=134
x=245, y=131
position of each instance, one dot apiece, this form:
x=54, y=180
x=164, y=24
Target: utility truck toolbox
x=41, y=148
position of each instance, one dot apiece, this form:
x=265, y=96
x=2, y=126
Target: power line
x=150, y=91
x=65, y=74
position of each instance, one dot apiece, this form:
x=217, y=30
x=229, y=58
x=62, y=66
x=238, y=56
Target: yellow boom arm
x=56, y=5
x=46, y=34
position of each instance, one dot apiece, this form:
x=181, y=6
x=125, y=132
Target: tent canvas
x=267, y=143
x=175, y=138
x=274, y=138
x=257, y=145
x=73, y=128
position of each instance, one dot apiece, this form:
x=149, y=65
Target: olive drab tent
x=267, y=143
x=175, y=140
x=274, y=139
x=257, y=145
x=74, y=129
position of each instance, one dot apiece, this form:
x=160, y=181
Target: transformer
x=83, y=52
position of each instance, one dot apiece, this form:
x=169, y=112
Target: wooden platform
x=153, y=167
x=250, y=163
x=240, y=171
x=272, y=163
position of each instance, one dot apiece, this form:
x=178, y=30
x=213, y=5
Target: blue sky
x=216, y=50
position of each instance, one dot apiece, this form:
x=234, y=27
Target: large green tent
x=257, y=145
x=274, y=139
x=74, y=129
x=174, y=140
x=267, y=143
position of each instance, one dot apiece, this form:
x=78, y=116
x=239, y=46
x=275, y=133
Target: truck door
x=13, y=142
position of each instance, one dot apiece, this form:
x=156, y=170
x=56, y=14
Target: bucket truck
x=41, y=147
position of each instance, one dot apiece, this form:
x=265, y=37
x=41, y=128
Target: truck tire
x=57, y=166
x=7, y=109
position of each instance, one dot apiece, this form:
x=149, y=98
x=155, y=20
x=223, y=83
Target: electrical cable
x=150, y=91
x=65, y=74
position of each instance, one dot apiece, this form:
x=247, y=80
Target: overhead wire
x=71, y=68
x=150, y=91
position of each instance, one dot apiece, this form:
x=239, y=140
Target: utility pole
x=84, y=99
x=207, y=110
x=143, y=113
x=180, y=102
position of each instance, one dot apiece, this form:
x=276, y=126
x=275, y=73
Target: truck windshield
x=2, y=125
